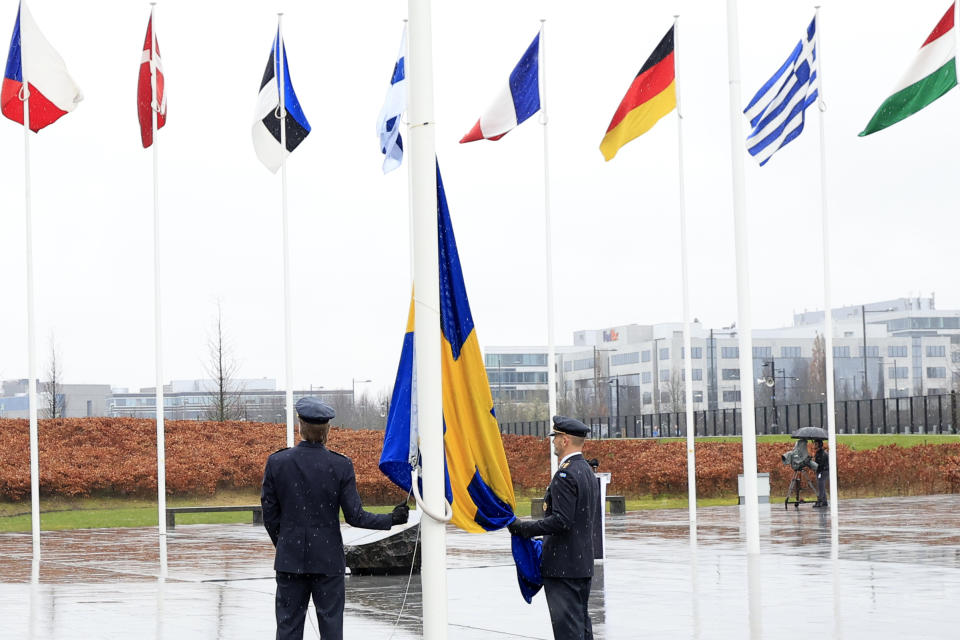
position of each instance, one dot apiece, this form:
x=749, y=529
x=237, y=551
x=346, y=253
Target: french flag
x=51, y=90
x=518, y=99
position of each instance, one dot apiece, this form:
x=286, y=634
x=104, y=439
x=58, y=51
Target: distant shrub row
x=84, y=456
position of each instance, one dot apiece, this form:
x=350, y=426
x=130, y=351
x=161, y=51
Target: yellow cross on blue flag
x=479, y=487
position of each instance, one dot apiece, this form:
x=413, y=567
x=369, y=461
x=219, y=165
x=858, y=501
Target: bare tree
x=54, y=402
x=676, y=390
x=384, y=398
x=953, y=367
x=223, y=398
x=806, y=392
x=818, y=366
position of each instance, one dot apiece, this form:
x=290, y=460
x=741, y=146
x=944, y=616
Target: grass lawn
x=58, y=513
x=860, y=441
x=641, y=504
x=107, y=512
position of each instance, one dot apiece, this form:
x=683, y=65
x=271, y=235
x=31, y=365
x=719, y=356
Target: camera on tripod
x=799, y=459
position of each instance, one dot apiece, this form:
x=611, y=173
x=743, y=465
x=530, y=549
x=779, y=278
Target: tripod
x=796, y=485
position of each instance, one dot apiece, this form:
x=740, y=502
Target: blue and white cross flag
x=777, y=112
x=388, y=123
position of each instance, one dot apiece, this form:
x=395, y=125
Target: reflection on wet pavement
x=898, y=576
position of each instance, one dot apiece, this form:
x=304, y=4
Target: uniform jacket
x=572, y=506
x=304, y=488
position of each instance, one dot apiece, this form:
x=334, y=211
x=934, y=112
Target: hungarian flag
x=652, y=95
x=51, y=90
x=932, y=74
x=150, y=69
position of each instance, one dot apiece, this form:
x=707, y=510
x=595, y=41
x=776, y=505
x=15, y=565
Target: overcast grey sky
x=893, y=195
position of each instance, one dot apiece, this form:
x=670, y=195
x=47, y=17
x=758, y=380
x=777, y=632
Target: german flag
x=651, y=95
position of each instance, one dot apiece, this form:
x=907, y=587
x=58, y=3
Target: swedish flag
x=478, y=483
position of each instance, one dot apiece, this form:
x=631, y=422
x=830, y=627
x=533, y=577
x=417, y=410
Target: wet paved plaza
x=898, y=577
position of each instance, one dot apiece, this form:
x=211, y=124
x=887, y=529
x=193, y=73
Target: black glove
x=516, y=528
x=400, y=514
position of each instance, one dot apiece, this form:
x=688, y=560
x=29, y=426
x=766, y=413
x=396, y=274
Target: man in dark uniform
x=304, y=488
x=572, y=506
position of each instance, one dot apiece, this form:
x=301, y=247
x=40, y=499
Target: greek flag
x=776, y=113
x=388, y=123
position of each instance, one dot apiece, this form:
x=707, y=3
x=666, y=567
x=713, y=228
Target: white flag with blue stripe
x=388, y=123
x=777, y=111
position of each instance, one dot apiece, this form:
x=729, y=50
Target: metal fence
x=917, y=414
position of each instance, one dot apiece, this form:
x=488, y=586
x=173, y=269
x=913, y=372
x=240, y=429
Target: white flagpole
x=287, y=329
x=744, y=321
x=31, y=329
x=158, y=336
x=427, y=313
x=687, y=338
x=827, y=314
x=406, y=60
x=548, y=238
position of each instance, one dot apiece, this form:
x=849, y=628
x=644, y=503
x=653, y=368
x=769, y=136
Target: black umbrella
x=810, y=433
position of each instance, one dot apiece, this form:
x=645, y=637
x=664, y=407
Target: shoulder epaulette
x=336, y=453
x=279, y=450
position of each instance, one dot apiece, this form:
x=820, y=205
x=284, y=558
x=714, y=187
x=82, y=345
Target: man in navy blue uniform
x=304, y=488
x=572, y=507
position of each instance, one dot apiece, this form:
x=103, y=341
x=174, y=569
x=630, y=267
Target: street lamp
x=353, y=386
x=354, y=382
x=771, y=381
x=597, y=371
x=616, y=380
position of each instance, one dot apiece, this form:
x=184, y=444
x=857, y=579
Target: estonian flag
x=266, y=125
x=52, y=91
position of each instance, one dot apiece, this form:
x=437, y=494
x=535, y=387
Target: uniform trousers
x=822, y=487
x=567, y=600
x=293, y=594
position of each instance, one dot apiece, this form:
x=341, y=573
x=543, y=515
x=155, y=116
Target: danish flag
x=151, y=70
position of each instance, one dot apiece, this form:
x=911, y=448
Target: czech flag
x=478, y=484
x=51, y=90
x=150, y=69
x=266, y=122
x=518, y=99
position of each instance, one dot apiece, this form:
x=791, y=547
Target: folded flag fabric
x=388, y=123
x=52, y=92
x=932, y=73
x=267, y=117
x=527, y=555
x=151, y=70
x=777, y=111
x=518, y=99
x=652, y=95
